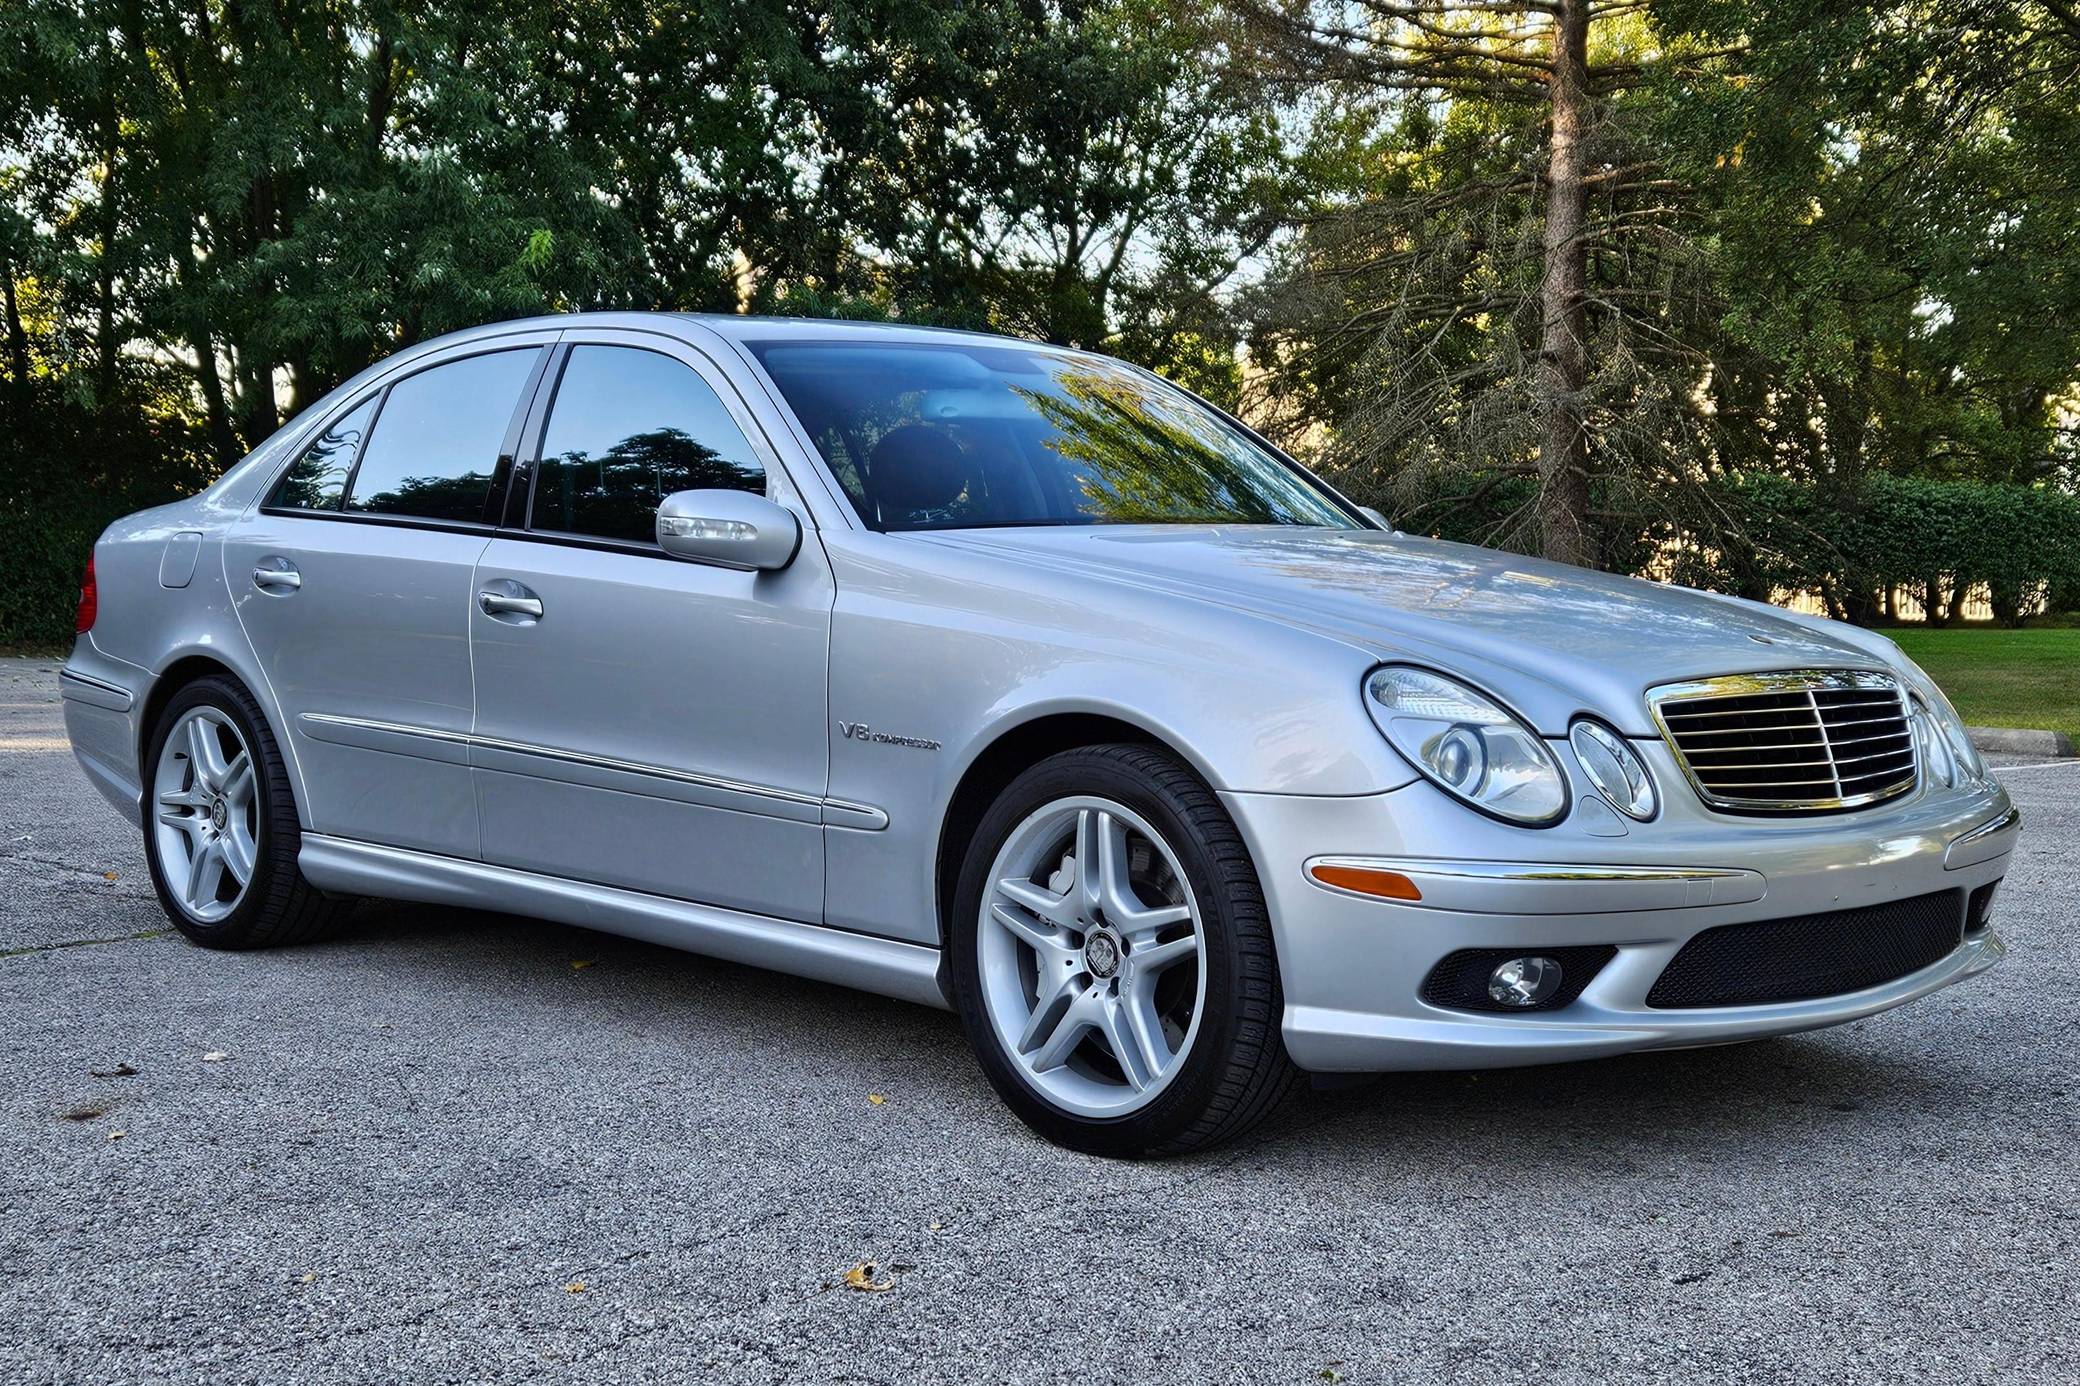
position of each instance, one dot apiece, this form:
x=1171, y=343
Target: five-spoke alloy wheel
x=1090, y=956
x=208, y=820
x=1112, y=958
x=221, y=831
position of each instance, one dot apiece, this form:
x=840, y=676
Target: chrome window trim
x=1785, y=681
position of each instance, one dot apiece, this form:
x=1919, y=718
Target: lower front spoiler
x=1333, y=1041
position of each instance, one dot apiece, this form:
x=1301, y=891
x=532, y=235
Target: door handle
x=283, y=576
x=506, y=604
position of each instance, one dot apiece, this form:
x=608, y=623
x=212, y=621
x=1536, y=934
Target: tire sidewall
x=219, y=696
x=1185, y=1096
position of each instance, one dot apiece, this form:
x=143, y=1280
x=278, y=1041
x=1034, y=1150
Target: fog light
x=1524, y=981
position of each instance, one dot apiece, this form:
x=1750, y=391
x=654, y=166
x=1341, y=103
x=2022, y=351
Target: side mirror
x=1373, y=515
x=731, y=529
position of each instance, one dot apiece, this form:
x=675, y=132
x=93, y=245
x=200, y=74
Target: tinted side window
x=628, y=428
x=318, y=477
x=436, y=442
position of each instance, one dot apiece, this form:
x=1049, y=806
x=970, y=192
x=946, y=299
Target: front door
x=352, y=581
x=644, y=721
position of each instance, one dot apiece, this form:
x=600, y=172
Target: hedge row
x=1754, y=535
x=65, y=473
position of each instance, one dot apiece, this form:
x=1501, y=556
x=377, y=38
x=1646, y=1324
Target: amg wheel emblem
x=860, y=731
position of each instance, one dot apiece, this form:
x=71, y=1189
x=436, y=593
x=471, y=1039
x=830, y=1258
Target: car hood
x=1548, y=638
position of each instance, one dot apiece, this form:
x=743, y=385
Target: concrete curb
x=2017, y=741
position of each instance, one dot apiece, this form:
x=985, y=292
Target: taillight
x=89, y=602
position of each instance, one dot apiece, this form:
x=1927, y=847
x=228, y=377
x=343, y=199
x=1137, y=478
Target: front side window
x=962, y=436
x=318, y=477
x=629, y=427
x=437, y=439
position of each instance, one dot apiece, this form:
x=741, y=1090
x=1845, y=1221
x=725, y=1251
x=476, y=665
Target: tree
x=1488, y=169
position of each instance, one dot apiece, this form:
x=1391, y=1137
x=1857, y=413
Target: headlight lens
x=1934, y=747
x=1959, y=760
x=1616, y=770
x=1467, y=744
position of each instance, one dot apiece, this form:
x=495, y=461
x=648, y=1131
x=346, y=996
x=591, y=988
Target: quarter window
x=437, y=440
x=320, y=475
x=628, y=428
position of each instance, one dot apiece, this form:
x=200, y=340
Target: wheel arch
x=1008, y=753
x=184, y=667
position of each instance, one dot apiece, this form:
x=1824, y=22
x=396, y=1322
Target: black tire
x=279, y=906
x=1237, y=1069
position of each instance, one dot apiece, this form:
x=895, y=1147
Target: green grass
x=2003, y=678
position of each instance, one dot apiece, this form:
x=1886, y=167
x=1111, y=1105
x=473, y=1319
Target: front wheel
x=1112, y=957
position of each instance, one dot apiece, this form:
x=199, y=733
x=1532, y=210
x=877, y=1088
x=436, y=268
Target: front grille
x=1811, y=955
x=1460, y=981
x=1809, y=741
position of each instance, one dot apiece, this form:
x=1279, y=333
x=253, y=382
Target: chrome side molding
x=93, y=692
x=599, y=772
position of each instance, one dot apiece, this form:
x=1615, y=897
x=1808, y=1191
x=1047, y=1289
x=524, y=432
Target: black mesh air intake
x=1811, y=955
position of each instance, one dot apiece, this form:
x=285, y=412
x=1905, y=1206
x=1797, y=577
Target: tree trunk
x=17, y=342
x=221, y=439
x=1563, y=358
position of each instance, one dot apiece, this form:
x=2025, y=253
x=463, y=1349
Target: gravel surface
x=453, y=1146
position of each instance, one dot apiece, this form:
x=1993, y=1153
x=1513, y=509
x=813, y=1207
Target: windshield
x=968, y=436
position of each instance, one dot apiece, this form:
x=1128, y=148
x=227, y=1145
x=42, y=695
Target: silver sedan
x=1011, y=679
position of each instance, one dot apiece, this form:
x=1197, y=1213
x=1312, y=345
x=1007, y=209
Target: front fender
x=931, y=644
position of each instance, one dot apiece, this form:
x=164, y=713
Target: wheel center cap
x=1101, y=953
x=219, y=815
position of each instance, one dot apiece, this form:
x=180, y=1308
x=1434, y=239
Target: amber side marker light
x=1366, y=880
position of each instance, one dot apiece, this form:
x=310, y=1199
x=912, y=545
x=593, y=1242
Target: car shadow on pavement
x=1609, y=1115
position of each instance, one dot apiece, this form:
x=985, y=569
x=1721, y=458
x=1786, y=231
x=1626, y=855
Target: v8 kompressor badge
x=860, y=731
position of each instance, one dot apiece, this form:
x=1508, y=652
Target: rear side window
x=437, y=440
x=628, y=428
x=320, y=475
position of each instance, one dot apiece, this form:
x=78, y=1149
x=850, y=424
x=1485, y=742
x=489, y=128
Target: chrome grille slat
x=1797, y=741
x=1792, y=745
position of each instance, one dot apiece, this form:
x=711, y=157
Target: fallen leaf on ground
x=117, y=1135
x=119, y=1071
x=576, y=1287
x=108, y=875
x=861, y=1278
x=215, y=1056
x=309, y=1277
x=580, y=964
x=876, y=1098
x=85, y=1111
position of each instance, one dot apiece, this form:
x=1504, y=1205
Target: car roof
x=742, y=327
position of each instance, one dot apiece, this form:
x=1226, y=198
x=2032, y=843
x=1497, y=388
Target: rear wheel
x=1112, y=957
x=221, y=834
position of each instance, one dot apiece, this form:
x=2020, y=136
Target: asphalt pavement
x=452, y=1146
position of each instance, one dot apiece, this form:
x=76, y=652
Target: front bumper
x=1352, y=965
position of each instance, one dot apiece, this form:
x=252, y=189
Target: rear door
x=645, y=721
x=352, y=580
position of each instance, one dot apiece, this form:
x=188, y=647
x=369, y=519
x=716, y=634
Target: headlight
x=1933, y=747
x=1467, y=744
x=1946, y=746
x=1616, y=770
